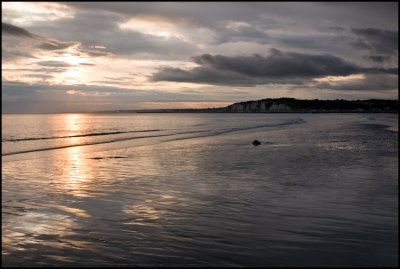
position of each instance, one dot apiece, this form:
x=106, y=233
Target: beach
x=192, y=190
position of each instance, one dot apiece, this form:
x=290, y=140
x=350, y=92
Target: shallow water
x=192, y=190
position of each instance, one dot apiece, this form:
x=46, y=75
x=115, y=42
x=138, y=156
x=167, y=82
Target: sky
x=95, y=56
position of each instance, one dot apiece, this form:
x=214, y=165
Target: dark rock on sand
x=256, y=142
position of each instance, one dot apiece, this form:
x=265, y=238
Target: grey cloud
x=242, y=33
x=357, y=14
x=54, y=64
x=11, y=54
x=375, y=70
x=280, y=64
x=16, y=42
x=41, y=97
x=120, y=83
x=197, y=16
x=11, y=82
x=376, y=41
x=20, y=89
x=46, y=43
x=333, y=28
x=207, y=75
x=55, y=45
x=50, y=92
x=302, y=13
x=97, y=24
x=40, y=70
x=377, y=58
x=202, y=75
x=305, y=41
x=93, y=53
x=47, y=70
x=28, y=89
x=51, y=70
x=119, y=78
x=100, y=28
x=276, y=68
x=20, y=43
x=309, y=30
x=130, y=42
x=9, y=29
x=42, y=76
x=195, y=13
x=323, y=41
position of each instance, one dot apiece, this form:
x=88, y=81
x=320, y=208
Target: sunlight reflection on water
x=313, y=195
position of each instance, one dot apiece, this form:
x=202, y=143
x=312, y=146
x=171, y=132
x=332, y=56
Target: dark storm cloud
x=202, y=75
x=376, y=41
x=375, y=70
x=278, y=67
x=377, y=58
x=280, y=64
x=209, y=75
x=9, y=29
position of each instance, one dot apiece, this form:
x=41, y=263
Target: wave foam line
x=98, y=142
x=72, y=136
x=296, y=121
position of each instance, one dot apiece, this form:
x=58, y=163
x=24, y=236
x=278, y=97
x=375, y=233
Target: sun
x=71, y=59
x=74, y=60
x=72, y=76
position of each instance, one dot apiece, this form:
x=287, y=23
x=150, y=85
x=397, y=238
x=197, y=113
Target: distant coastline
x=286, y=105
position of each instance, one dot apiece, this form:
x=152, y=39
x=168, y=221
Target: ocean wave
x=197, y=134
x=73, y=136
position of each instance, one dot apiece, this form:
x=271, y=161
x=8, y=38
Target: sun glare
x=71, y=59
x=340, y=78
x=146, y=27
x=152, y=26
x=73, y=76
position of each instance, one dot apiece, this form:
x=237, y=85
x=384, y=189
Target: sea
x=191, y=190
